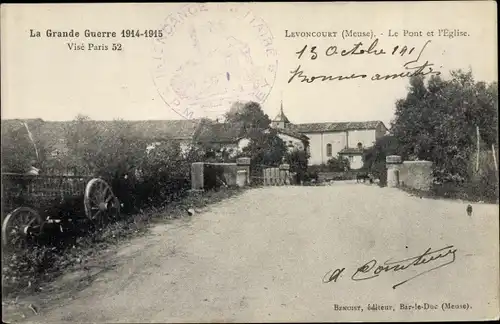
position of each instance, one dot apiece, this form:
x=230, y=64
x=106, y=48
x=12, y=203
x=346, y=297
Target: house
x=292, y=138
x=322, y=140
x=354, y=155
x=327, y=140
x=183, y=131
x=54, y=133
x=226, y=136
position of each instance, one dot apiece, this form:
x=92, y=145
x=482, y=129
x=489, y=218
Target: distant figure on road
x=469, y=210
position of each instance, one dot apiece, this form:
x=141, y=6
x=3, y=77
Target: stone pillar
x=243, y=163
x=393, y=164
x=197, y=176
x=241, y=178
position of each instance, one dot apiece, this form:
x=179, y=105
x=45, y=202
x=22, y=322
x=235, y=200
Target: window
x=351, y=158
x=328, y=149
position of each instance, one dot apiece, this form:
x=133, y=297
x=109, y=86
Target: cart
x=26, y=199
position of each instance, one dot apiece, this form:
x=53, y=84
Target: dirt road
x=262, y=256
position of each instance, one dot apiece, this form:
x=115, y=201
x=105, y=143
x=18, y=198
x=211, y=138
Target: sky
x=211, y=56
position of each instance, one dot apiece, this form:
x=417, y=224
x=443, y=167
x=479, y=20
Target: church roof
x=335, y=127
x=281, y=117
x=292, y=133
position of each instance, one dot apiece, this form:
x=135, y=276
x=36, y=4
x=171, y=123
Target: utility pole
x=477, y=158
x=494, y=156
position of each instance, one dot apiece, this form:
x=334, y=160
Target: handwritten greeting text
x=413, y=67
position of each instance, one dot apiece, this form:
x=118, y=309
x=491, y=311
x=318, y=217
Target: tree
x=107, y=151
x=248, y=117
x=374, y=157
x=265, y=147
x=437, y=121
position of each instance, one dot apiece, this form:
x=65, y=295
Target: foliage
x=141, y=173
x=437, y=121
x=374, y=157
x=215, y=153
x=29, y=270
x=311, y=174
x=297, y=159
x=18, y=151
x=248, y=117
x=105, y=151
x=265, y=147
x=154, y=178
x=338, y=164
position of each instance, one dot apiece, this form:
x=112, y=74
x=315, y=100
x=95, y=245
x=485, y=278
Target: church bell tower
x=280, y=121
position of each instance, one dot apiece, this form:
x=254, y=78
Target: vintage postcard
x=250, y=162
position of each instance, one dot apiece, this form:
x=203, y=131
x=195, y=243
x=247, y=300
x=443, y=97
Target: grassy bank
x=26, y=272
x=454, y=192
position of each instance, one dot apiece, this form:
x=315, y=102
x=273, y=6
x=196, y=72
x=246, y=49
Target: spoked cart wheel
x=101, y=205
x=19, y=225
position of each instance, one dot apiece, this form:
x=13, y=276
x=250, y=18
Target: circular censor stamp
x=212, y=55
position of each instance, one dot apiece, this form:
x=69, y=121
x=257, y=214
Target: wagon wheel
x=100, y=203
x=18, y=225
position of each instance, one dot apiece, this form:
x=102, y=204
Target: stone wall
x=200, y=171
x=416, y=175
x=410, y=174
x=229, y=172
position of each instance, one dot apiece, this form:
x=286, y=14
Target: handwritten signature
x=411, y=68
x=371, y=269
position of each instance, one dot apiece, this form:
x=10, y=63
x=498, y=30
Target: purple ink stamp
x=211, y=55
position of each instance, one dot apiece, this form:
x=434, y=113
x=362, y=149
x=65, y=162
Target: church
x=330, y=139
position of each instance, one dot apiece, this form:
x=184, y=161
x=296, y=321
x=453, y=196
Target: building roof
x=182, y=129
x=292, y=133
x=204, y=130
x=48, y=132
x=219, y=133
x=335, y=126
x=149, y=129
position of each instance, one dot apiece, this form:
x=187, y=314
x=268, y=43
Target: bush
x=338, y=164
x=310, y=175
x=297, y=159
x=140, y=173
